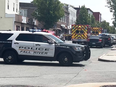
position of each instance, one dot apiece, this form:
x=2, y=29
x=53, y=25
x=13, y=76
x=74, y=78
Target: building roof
x=96, y=12
x=27, y=4
x=78, y=8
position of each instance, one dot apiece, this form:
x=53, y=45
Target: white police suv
x=17, y=46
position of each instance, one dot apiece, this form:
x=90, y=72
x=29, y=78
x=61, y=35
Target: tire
x=109, y=44
x=87, y=53
x=73, y=42
x=65, y=59
x=102, y=45
x=10, y=57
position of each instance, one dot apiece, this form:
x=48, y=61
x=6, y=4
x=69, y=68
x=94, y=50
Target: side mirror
x=50, y=42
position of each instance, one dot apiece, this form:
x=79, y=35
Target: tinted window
x=93, y=32
x=25, y=37
x=41, y=38
x=81, y=31
x=77, y=31
x=97, y=32
x=5, y=36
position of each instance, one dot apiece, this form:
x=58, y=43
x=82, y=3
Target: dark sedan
x=96, y=41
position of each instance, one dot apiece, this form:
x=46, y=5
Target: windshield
x=57, y=40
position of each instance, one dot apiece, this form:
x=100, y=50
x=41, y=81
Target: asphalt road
x=51, y=74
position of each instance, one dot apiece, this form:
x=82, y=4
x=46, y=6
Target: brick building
x=97, y=16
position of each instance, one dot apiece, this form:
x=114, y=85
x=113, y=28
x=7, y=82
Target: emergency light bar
x=34, y=30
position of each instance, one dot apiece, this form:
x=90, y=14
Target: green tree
x=105, y=25
x=97, y=24
x=89, y=19
x=93, y=22
x=112, y=6
x=48, y=12
x=83, y=17
x=112, y=29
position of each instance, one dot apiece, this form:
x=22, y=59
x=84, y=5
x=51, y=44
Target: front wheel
x=110, y=44
x=87, y=53
x=65, y=59
x=73, y=42
x=101, y=45
x=10, y=57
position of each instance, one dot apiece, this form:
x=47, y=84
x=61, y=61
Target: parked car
x=96, y=41
x=113, y=38
x=17, y=46
x=107, y=39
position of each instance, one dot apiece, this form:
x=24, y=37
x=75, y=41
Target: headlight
x=78, y=48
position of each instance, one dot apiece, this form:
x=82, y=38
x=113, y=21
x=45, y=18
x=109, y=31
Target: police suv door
x=24, y=44
x=42, y=47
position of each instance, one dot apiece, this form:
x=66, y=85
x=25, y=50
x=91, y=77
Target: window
x=7, y=4
x=16, y=7
x=41, y=38
x=27, y=28
x=25, y=37
x=22, y=28
x=5, y=36
x=23, y=12
x=13, y=6
x=17, y=28
x=77, y=31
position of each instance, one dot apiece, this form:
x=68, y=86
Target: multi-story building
x=26, y=10
x=97, y=16
x=10, y=18
x=63, y=24
x=72, y=16
x=8, y=9
x=90, y=12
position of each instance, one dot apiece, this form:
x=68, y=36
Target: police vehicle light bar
x=34, y=30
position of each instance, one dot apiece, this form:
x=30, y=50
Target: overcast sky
x=94, y=5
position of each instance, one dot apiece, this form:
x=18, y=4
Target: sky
x=94, y=5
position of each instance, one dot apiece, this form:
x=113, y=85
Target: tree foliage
x=93, y=22
x=83, y=17
x=48, y=12
x=105, y=25
x=112, y=6
x=110, y=29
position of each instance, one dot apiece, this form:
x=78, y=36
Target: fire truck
x=80, y=34
x=96, y=31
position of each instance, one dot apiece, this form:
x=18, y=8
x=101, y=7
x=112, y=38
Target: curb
x=105, y=58
x=94, y=85
x=113, y=49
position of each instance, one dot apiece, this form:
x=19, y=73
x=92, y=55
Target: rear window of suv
x=25, y=37
x=5, y=36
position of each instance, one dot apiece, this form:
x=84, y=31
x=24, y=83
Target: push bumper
x=83, y=55
x=78, y=56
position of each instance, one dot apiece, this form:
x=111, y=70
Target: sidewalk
x=110, y=56
x=94, y=85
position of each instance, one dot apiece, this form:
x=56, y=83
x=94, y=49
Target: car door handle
x=16, y=43
x=37, y=44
